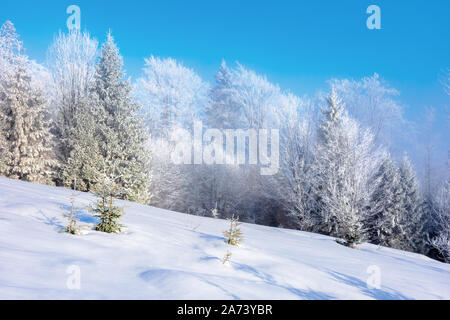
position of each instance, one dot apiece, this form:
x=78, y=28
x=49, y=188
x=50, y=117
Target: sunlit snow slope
x=169, y=255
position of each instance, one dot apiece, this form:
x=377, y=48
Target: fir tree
x=234, y=233
x=10, y=46
x=83, y=164
x=411, y=216
x=441, y=216
x=121, y=129
x=383, y=221
x=27, y=142
x=224, y=111
x=105, y=209
x=343, y=162
x=111, y=132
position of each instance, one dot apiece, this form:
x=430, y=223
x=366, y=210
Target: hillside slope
x=169, y=255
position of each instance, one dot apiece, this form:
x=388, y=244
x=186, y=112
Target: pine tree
x=344, y=160
x=27, y=142
x=83, y=164
x=224, y=111
x=440, y=240
x=10, y=47
x=111, y=132
x=234, y=234
x=105, y=209
x=121, y=129
x=411, y=216
x=383, y=221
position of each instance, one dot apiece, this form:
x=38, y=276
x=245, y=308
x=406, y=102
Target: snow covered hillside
x=169, y=255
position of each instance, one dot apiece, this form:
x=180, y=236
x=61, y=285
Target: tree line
x=77, y=121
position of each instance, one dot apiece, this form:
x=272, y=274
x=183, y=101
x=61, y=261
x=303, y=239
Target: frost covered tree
x=442, y=213
x=224, y=111
x=395, y=218
x=172, y=188
x=233, y=235
x=171, y=93
x=221, y=183
x=71, y=63
x=383, y=220
x=241, y=99
x=344, y=161
x=292, y=187
x=10, y=49
x=104, y=208
x=411, y=214
x=82, y=168
x=27, y=142
x=122, y=134
x=258, y=98
x=439, y=228
x=173, y=96
x=114, y=127
x=373, y=103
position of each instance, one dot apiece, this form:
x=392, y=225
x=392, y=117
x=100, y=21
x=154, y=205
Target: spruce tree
x=26, y=142
x=223, y=111
x=383, y=221
x=105, y=209
x=441, y=242
x=342, y=164
x=111, y=132
x=83, y=164
x=234, y=233
x=10, y=47
x=411, y=216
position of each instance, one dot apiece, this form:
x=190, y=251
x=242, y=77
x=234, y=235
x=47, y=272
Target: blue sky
x=298, y=44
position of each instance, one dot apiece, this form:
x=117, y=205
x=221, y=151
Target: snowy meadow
x=168, y=255
x=145, y=189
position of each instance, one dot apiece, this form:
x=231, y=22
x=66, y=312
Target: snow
x=170, y=255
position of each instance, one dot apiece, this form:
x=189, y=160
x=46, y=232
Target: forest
x=346, y=167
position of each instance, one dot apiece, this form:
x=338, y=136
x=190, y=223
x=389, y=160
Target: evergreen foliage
x=383, y=219
x=110, y=132
x=344, y=161
x=234, y=234
x=105, y=209
x=27, y=151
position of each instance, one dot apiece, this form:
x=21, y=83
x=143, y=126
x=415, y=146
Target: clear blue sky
x=298, y=44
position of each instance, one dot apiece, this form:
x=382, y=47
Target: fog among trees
x=350, y=165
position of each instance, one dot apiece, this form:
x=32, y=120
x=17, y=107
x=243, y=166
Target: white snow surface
x=170, y=255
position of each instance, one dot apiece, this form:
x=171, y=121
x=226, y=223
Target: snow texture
x=170, y=255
